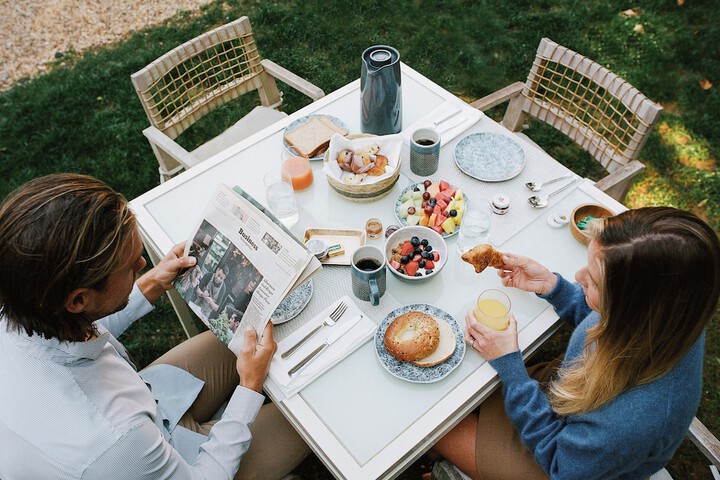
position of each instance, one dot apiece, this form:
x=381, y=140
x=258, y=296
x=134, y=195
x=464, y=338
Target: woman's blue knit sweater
x=633, y=436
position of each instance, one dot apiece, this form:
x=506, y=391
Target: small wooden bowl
x=579, y=214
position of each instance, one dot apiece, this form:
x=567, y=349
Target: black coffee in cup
x=425, y=142
x=367, y=264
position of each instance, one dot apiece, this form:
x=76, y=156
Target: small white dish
x=558, y=220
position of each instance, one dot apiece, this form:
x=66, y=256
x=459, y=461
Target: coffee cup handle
x=374, y=292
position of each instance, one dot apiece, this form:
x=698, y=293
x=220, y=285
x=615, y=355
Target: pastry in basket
x=366, y=160
x=420, y=339
x=483, y=256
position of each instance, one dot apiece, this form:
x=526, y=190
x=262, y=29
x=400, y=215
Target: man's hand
x=253, y=362
x=526, y=274
x=160, y=278
x=491, y=344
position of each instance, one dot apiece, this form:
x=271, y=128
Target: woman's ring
x=472, y=344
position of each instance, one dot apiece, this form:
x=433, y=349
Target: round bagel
x=412, y=336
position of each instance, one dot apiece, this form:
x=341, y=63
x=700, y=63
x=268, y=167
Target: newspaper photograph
x=246, y=265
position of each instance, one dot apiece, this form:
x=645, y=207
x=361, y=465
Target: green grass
x=83, y=116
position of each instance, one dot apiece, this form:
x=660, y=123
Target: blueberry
x=428, y=272
x=418, y=274
x=432, y=202
x=415, y=241
x=424, y=242
x=421, y=264
x=418, y=251
x=416, y=189
x=453, y=213
x=425, y=255
x=428, y=248
x=404, y=259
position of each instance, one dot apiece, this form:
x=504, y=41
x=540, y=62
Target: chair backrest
x=600, y=111
x=202, y=74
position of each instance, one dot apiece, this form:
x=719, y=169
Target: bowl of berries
x=415, y=253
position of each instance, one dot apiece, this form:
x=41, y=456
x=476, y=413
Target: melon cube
x=449, y=225
x=413, y=219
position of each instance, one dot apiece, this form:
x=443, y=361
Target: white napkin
x=351, y=340
x=450, y=128
x=390, y=146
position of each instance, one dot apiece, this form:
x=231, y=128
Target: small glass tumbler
x=281, y=197
x=298, y=169
x=492, y=309
x=475, y=226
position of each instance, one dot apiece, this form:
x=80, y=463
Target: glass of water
x=281, y=197
x=475, y=226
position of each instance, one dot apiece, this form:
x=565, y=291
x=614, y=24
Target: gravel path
x=33, y=31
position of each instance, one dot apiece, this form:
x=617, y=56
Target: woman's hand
x=491, y=344
x=253, y=362
x=160, y=278
x=526, y=274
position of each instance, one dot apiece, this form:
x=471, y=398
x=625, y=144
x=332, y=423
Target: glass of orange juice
x=297, y=169
x=493, y=309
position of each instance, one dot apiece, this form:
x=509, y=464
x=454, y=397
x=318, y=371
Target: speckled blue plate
x=490, y=157
x=300, y=121
x=408, y=371
x=293, y=304
x=403, y=222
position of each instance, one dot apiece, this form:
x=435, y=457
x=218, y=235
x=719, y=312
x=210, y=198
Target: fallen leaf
x=703, y=203
x=638, y=28
x=705, y=84
x=630, y=13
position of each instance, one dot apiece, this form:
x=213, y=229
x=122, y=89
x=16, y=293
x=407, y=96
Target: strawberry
x=417, y=258
x=394, y=264
x=429, y=264
x=407, y=249
x=436, y=255
x=411, y=268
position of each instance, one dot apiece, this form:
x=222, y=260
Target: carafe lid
x=380, y=58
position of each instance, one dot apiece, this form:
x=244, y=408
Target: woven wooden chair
x=192, y=80
x=598, y=110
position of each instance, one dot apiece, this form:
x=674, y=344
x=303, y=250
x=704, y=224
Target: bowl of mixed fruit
x=433, y=204
x=415, y=253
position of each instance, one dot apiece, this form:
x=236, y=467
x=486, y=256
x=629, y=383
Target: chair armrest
x=618, y=182
x=165, y=148
x=295, y=81
x=496, y=98
x=704, y=440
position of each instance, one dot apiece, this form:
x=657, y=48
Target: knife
x=332, y=338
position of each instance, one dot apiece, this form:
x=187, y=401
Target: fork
x=328, y=322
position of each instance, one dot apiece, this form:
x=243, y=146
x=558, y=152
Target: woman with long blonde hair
x=621, y=401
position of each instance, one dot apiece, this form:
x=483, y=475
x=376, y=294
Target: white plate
x=403, y=222
x=301, y=121
x=407, y=371
x=293, y=304
x=490, y=157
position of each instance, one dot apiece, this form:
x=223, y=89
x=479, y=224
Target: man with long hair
x=72, y=404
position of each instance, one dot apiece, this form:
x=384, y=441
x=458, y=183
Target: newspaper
x=247, y=262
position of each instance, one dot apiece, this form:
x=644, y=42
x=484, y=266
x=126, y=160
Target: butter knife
x=332, y=338
x=447, y=116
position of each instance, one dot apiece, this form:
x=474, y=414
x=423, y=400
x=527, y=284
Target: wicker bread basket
x=363, y=192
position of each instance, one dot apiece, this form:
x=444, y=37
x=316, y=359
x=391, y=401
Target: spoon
x=540, y=202
x=536, y=186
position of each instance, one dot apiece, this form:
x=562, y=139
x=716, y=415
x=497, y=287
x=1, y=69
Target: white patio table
x=360, y=420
